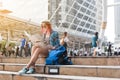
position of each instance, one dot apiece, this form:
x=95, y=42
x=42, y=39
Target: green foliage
x=3, y=44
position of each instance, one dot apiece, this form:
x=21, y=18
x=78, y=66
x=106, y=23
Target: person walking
x=95, y=43
x=22, y=46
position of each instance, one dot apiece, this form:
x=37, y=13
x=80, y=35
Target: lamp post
x=104, y=22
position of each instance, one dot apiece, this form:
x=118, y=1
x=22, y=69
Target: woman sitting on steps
x=50, y=41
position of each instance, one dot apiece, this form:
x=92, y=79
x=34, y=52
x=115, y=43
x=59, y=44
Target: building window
x=91, y=7
x=65, y=25
x=79, y=29
x=90, y=19
x=94, y=2
x=93, y=27
x=76, y=21
x=88, y=12
x=69, y=2
x=85, y=18
x=93, y=15
x=83, y=9
x=73, y=27
x=76, y=6
x=94, y=22
x=82, y=23
x=89, y=0
x=95, y=9
x=67, y=8
x=90, y=32
x=73, y=12
x=80, y=1
x=87, y=25
x=79, y=15
x=84, y=30
x=86, y=4
x=69, y=18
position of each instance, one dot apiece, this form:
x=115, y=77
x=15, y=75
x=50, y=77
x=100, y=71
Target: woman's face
x=44, y=27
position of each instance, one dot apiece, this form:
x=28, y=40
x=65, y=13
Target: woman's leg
x=34, y=57
x=33, y=49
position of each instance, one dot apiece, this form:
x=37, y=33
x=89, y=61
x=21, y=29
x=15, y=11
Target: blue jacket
x=54, y=39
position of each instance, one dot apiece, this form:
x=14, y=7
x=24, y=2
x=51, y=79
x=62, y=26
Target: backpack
x=58, y=57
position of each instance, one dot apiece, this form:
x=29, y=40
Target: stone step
x=111, y=61
x=12, y=76
x=78, y=70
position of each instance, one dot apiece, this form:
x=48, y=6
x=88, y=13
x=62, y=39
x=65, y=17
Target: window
x=73, y=12
x=83, y=9
x=86, y=4
x=76, y=6
x=69, y=18
x=93, y=15
x=82, y=23
x=80, y=15
x=76, y=21
x=69, y=2
x=73, y=27
x=88, y=12
x=93, y=27
x=90, y=32
x=94, y=22
x=91, y=7
x=87, y=25
x=84, y=30
x=65, y=25
x=85, y=18
x=79, y=29
x=89, y=0
x=90, y=19
x=80, y=1
x=67, y=8
x=95, y=9
x=93, y=2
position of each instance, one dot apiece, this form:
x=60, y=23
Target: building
x=117, y=23
x=78, y=17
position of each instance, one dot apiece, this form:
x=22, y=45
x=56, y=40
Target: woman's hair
x=96, y=34
x=48, y=24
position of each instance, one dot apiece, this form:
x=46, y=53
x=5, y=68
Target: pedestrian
x=95, y=43
x=22, y=46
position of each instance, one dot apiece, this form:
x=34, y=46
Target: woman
x=95, y=42
x=50, y=41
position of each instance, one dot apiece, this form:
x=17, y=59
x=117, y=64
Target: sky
x=34, y=10
x=37, y=11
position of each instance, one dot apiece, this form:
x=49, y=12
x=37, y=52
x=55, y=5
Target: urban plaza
x=59, y=40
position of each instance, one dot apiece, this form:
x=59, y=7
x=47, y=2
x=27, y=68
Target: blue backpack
x=58, y=57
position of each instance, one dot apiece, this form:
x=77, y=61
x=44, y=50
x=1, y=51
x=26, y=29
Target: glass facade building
x=117, y=23
x=80, y=17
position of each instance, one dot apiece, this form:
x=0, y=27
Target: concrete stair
x=78, y=70
x=108, y=61
x=96, y=67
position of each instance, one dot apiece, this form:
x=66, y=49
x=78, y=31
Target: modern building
x=117, y=22
x=82, y=16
